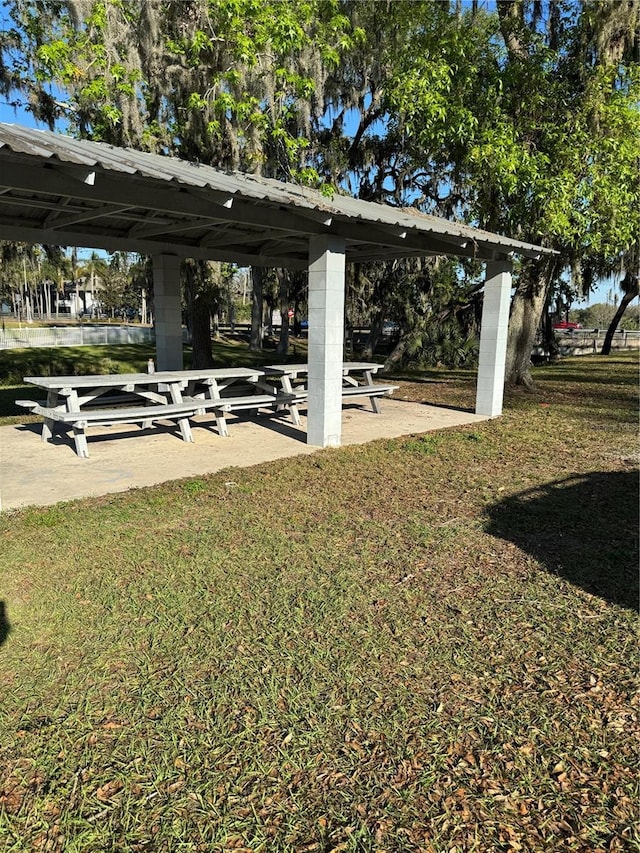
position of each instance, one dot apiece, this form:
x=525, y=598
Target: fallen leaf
x=108, y=790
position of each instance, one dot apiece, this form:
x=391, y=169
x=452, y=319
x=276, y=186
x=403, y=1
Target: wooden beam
x=85, y=215
x=115, y=243
x=37, y=203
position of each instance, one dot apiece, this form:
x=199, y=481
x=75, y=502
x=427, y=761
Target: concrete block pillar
x=326, y=340
x=167, y=312
x=493, y=338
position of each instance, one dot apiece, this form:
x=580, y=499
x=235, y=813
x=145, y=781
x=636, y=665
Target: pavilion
x=58, y=190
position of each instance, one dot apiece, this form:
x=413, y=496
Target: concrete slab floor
x=34, y=473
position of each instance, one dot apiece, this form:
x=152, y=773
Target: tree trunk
x=629, y=295
x=549, y=339
x=375, y=333
x=267, y=319
x=257, y=280
x=397, y=353
x=283, y=282
x=199, y=300
x=526, y=311
x=200, y=311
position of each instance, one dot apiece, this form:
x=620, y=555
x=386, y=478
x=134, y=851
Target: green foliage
x=424, y=445
x=433, y=305
x=445, y=343
x=521, y=118
x=235, y=74
x=600, y=315
x=549, y=144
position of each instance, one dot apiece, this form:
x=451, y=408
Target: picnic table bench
x=81, y=402
x=147, y=398
x=357, y=381
x=146, y=415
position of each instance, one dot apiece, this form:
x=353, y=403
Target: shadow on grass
x=431, y=376
x=583, y=528
x=5, y=627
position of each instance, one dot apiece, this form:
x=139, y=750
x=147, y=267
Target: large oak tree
x=231, y=83
x=523, y=119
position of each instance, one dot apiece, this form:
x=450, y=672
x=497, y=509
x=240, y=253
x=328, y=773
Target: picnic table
x=178, y=395
x=357, y=381
x=103, y=400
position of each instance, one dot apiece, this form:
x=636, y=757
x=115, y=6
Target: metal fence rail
x=586, y=341
x=576, y=341
x=74, y=336
x=621, y=337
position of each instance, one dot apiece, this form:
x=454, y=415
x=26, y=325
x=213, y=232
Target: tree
x=533, y=133
x=436, y=312
x=232, y=83
x=14, y=259
x=93, y=271
x=630, y=285
x=524, y=120
x=29, y=273
x=118, y=295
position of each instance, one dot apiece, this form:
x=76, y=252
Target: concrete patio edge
x=33, y=473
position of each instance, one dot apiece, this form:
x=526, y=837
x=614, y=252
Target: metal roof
x=63, y=191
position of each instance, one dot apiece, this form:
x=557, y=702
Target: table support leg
x=375, y=405
x=287, y=387
x=183, y=423
x=295, y=414
x=185, y=429
x=80, y=440
x=221, y=423
x=47, y=424
x=47, y=429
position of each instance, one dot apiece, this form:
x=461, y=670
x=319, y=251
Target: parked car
x=566, y=325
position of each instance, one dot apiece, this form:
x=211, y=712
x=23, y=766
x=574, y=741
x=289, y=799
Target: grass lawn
x=422, y=644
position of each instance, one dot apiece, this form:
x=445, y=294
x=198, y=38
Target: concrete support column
x=167, y=312
x=493, y=338
x=326, y=340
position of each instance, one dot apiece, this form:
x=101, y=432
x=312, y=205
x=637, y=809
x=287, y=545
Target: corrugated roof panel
x=253, y=188
x=23, y=142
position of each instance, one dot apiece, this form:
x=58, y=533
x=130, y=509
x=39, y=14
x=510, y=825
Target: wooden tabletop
x=162, y=376
x=347, y=367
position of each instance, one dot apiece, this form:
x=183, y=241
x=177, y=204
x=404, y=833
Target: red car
x=565, y=324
